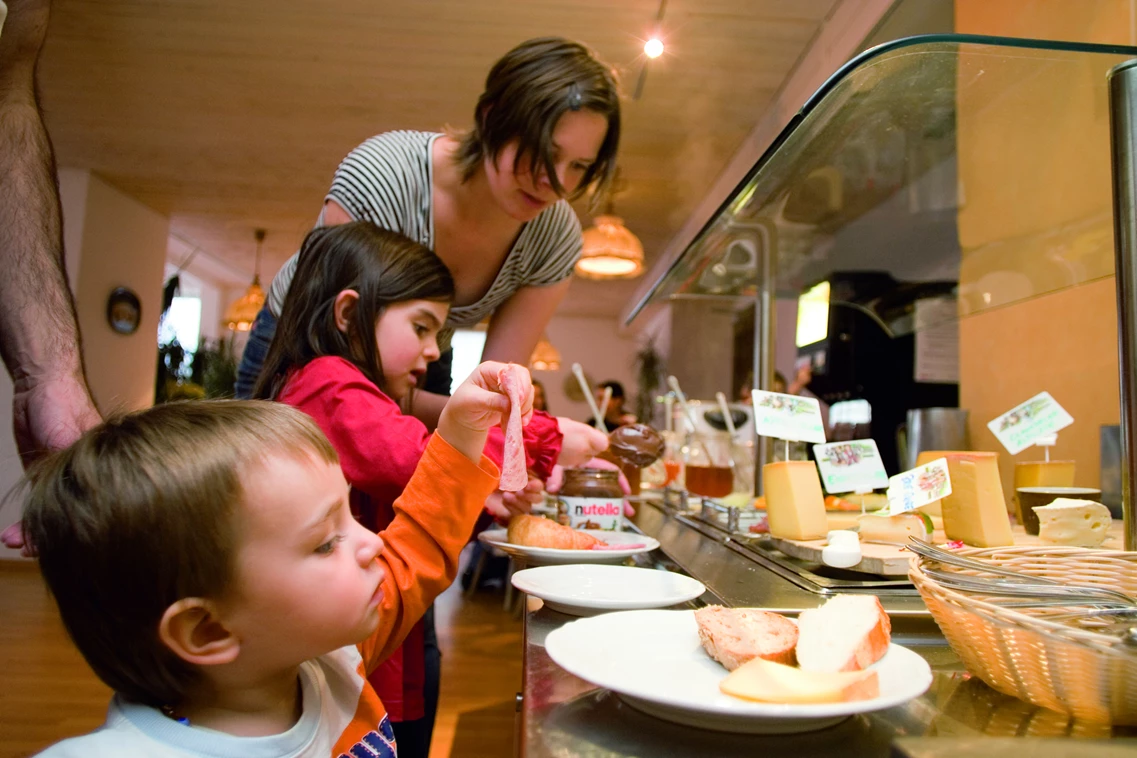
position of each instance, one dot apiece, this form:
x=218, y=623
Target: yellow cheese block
x=975, y=512
x=795, y=508
x=1041, y=474
x=771, y=682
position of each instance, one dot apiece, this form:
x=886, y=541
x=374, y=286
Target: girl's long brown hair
x=384, y=267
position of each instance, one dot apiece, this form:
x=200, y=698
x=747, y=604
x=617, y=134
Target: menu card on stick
x=788, y=417
x=852, y=466
x=918, y=487
x=1025, y=424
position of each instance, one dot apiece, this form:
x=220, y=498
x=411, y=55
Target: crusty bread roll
x=733, y=636
x=535, y=531
x=848, y=633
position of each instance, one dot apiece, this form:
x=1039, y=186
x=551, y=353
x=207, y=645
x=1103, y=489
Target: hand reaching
x=581, y=442
x=504, y=505
x=50, y=414
x=478, y=405
x=46, y=416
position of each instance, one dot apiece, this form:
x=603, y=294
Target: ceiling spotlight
x=653, y=48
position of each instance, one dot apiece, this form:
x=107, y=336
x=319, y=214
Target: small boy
x=206, y=564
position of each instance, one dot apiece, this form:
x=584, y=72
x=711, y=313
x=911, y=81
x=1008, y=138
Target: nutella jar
x=591, y=498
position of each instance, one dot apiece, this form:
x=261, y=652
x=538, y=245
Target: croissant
x=535, y=531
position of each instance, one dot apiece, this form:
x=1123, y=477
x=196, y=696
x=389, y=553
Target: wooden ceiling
x=228, y=115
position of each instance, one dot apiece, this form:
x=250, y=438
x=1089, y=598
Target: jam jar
x=591, y=498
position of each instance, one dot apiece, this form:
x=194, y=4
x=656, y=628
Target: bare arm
x=39, y=334
x=518, y=323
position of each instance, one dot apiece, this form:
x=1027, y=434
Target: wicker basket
x=1085, y=673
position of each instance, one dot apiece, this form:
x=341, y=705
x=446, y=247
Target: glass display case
x=942, y=213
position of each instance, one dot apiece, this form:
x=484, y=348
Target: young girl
x=357, y=331
x=492, y=202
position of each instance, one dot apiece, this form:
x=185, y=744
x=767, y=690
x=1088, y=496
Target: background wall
x=603, y=353
x=110, y=241
x=1036, y=216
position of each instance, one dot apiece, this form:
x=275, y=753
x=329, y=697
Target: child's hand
x=581, y=442
x=479, y=404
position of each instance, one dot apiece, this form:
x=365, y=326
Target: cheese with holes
x=795, y=508
x=975, y=512
x=1079, y=523
x=771, y=682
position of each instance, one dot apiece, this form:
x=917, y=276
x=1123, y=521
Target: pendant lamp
x=545, y=357
x=241, y=314
x=610, y=250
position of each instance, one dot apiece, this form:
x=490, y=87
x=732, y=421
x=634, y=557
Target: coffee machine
x=857, y=332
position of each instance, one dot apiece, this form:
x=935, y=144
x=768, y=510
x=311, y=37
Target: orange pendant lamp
x=243, y=311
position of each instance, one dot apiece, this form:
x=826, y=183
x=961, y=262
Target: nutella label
x=595, y=512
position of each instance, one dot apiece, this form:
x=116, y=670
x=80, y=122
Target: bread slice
x=733, y=636
x=848, y=633
x=771, y=682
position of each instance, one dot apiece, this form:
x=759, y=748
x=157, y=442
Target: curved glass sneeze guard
x=923, y=159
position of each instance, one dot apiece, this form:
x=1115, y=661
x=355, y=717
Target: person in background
x=357, y=330
x=540, y=401
x=492, y=202
x=229, y=597
x=614, y=413
x=39, y=331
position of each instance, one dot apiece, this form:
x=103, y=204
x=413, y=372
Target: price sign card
x=921, y=486
x=788, y=417
x=1025, y=424
x=853, y=466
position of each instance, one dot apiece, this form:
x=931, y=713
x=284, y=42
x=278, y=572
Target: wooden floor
x=47, y=692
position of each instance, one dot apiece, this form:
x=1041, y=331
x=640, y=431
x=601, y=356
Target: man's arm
x=39, y=334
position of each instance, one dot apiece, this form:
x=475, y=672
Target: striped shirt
x=387, y=180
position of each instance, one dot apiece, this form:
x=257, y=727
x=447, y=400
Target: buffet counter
x=562, y=715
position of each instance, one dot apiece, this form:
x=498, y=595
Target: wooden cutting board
x=892, y=560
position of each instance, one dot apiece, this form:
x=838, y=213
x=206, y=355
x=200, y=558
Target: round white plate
x=654, y=662
x=624, y=544
x=586, y=589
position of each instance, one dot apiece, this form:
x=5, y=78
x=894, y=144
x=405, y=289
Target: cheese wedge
x=795, y=507
x=771, y=682
x=893, y=528
x=975, y=512
x=1079, y=523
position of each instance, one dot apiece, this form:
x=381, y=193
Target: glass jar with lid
x=591, y=498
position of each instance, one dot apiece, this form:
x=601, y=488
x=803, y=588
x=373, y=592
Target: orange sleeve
x=433, y=520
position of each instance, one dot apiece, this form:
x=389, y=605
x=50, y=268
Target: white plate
x=654, y=661
x=583, y=590
x=544, y=556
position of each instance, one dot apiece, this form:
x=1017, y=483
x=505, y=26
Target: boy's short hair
x=141, y=512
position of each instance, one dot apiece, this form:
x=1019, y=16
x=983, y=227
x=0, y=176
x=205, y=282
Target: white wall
x=124, y=245
x=592, y=342
x=110, y=241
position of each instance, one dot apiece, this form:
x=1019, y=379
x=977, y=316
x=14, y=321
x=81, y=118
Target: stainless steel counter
x=561, y=715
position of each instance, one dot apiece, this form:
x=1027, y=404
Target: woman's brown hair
x=527, y=92
x=143, y=511
x=382, y=266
